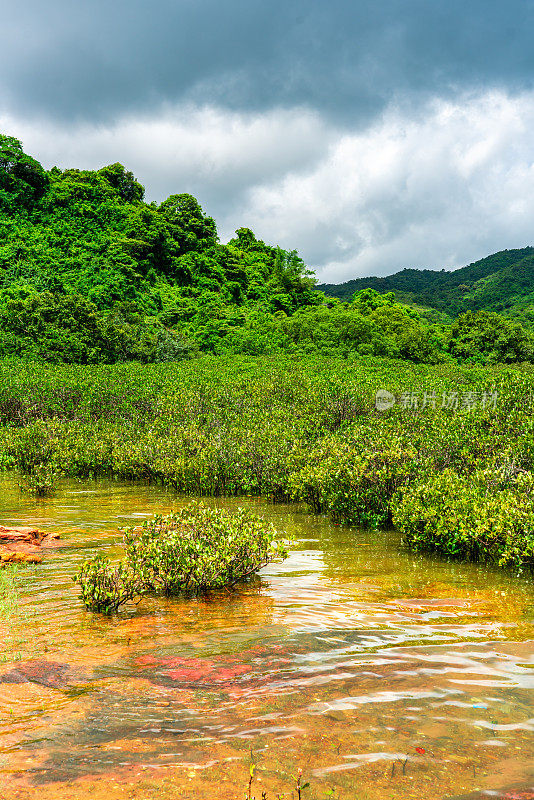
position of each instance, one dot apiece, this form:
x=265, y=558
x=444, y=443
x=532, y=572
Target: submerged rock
x=251, y=667
x=24, y=544
x=45, y=673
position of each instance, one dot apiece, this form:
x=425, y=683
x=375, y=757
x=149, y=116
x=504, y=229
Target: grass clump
x=191, y=551
x=8, y=591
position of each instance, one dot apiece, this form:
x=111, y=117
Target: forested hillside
x=91, y=273
x=502, y=282
x=88, y=241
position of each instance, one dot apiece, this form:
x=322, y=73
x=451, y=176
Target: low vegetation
x=8, y=591
x=449, y=463
x=192, y=551
x=39, y=481
x=479, y=517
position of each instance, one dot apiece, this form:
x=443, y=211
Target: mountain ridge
x=502, y=281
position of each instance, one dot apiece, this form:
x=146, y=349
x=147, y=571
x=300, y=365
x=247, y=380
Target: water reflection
x=379, y=673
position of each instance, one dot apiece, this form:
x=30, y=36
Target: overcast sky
x=370, y=135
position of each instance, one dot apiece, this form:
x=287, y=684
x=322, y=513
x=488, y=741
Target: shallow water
x=379, y=673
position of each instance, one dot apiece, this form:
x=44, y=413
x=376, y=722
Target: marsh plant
x=40, y=481
x=478, y=517
x=8, y=591
x=191, y=551
x=300, y=787
x=292, y=428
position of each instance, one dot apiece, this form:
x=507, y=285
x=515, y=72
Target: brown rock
x=14, y=557
x=24, y=544
x=45, y=673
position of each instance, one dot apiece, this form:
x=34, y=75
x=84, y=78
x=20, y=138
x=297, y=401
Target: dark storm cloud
x=347, y=58
x=369, y=135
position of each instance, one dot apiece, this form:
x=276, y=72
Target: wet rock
x=45, y=673
x=252, y=667
x=24, y=544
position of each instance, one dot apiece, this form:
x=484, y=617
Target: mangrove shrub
x=193, y=550
x=475, y=517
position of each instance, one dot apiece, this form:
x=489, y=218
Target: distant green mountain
x=502, y=282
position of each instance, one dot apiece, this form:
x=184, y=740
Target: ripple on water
x=380, y=673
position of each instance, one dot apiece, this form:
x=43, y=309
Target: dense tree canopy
x=90, y=273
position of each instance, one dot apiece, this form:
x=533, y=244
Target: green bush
x=480, y=517
x=104, y=587
x=354, y=486
x=192, y=551
x=41, y=481
x=487, y=337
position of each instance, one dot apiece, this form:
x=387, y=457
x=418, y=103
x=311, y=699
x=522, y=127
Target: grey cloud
x=451, y=186
x=95, y=60
x=440, y=189
x=214, y=154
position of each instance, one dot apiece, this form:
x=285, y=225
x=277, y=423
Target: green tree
x=22, y=178
x=485, y=336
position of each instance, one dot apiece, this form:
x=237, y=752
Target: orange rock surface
x=24, y=544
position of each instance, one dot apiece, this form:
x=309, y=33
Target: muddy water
x=380, y=674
